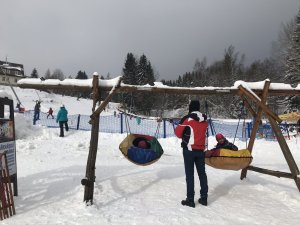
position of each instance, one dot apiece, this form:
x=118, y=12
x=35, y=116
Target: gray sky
x=96, y=35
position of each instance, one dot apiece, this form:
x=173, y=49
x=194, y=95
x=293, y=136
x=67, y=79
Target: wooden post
x=286, y=151
x=89, y=180
x=256, y=124
x=106, y=101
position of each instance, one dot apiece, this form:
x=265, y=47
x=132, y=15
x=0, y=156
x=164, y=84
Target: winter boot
x=203, y=201
x=188, y=202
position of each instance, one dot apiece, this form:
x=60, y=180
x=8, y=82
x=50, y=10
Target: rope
x=161, y=115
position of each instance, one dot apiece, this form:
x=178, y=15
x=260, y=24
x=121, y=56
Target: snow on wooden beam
x=77, y=85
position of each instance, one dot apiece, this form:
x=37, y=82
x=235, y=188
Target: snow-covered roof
x=7, y=66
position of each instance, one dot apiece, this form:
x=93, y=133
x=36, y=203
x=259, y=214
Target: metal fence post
x=78, y=121
x=249, y=128
x=121, y=120
x=165, y=128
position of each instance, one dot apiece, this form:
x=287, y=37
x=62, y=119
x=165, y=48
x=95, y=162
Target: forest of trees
x=282, y=66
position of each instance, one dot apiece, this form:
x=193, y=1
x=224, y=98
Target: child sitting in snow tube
x=141, y=149
x=226, y=155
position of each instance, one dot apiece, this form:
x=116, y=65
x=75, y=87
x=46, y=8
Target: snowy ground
x=50, y=170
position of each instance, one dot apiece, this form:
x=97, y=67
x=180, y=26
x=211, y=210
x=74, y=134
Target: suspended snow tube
x=228, y=159
x=141, y=149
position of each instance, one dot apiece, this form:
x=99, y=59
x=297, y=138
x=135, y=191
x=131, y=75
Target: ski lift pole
x=13, y=90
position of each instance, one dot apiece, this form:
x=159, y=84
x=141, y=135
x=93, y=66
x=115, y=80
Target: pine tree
x=142, y=76
x=293, y=65
x=34, y=73
x=130, y=70
x=81, y=75
x=150, y=73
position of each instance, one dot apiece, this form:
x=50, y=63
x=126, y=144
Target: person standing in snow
x=62, y=119
x=37, y=109
x=192, y=130
x=50, y=113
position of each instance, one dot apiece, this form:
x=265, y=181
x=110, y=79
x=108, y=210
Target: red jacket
x=192, y=129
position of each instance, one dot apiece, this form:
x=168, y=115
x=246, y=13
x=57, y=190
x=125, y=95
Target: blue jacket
x=62, y=115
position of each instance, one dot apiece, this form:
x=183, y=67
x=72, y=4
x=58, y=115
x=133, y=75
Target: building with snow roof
x=10, y=73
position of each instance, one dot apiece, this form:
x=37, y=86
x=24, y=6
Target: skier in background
x=62, y=118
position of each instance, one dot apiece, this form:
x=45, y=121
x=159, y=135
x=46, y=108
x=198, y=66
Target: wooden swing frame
x=257, y=96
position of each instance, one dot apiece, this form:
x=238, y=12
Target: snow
x=50, y=169
x=112, y=82
x=4, y=94
x=74, y=82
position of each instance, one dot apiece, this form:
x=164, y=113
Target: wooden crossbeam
x=125, y=88
x=271, y=172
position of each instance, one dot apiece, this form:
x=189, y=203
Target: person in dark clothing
x=192, y=130
x=50, y=113
x=62, y=118
x=224, y=143
x=37, y=109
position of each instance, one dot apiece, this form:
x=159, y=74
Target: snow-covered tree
x=292, y=75
x=280, y=47
x=58, y=74
x=293, y=57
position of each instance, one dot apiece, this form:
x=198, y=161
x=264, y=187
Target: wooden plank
x=3, y=195
x=256, y=123
x=10, y=197
x=284, y=147
x=286, y=151
x=271, y=172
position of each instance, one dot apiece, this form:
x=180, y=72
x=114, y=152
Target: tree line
x=282, y=66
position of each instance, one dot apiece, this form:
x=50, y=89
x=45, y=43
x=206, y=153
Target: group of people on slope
x=192, y=130
x=61, y=117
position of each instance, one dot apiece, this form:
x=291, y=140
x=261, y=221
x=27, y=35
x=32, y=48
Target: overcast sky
x=96, y=35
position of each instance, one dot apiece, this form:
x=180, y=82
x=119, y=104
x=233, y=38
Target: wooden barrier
x=7, y=207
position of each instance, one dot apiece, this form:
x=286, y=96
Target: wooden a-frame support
x=244, y=93
x=273, y=119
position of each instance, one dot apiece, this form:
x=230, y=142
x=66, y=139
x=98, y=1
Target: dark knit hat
x=194, y=106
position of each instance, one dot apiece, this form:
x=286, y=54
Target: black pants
x=196, y=158
x=61, y=125
x=50, y=115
